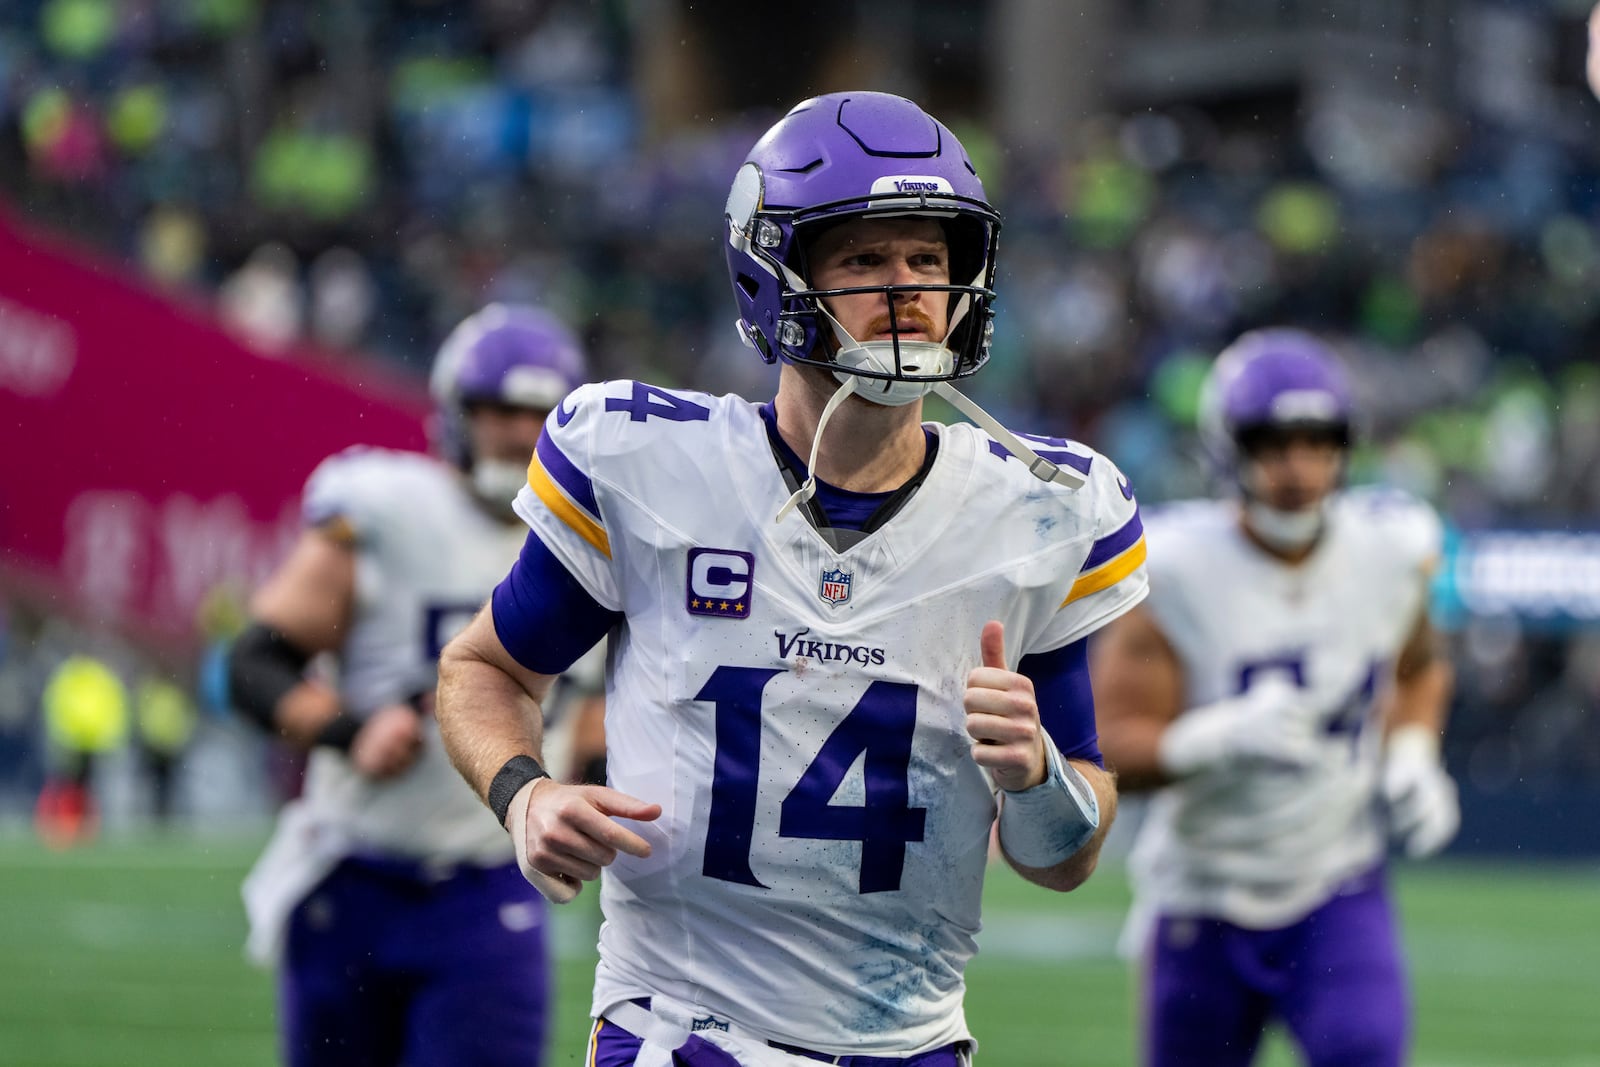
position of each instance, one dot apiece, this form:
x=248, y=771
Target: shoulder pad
x=1405, y=525
x=361, y=484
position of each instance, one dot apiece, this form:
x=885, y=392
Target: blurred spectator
x=341, y=298
x=263, y=300
x=19, y=769
x=166, y=717
x=86, y=713
x=63, y=137
x=172, y=245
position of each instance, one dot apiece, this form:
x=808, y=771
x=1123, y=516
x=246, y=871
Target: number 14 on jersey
x=881, y=726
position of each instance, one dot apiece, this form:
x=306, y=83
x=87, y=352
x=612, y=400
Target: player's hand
x=564, y=834
x=1274, y=723
x=388, y=743
x=1003, y=717
x=1424, y=812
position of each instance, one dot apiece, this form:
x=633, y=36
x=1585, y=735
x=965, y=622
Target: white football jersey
x=427, y=558
x=1263, y=847
x=797, y=712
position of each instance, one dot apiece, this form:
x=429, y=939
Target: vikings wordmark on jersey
x=797, y=713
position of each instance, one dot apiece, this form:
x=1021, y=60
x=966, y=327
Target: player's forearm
x=1132, y=748
x=305, y=712
x=1422, y=698
x=1073, y=871
x=485, y=715
x=1138, y=693
x=268, y=684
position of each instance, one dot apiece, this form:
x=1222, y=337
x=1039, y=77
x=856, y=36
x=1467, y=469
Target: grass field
x=129, y=954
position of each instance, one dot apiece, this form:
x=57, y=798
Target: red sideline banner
x=145, y=454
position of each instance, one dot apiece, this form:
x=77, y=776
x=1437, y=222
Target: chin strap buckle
x=1038, y=466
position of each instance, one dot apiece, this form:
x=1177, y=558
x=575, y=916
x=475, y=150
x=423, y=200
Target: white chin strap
x=809, y=488
x=1037, y=465
x=497, y=482
x=1286, y=531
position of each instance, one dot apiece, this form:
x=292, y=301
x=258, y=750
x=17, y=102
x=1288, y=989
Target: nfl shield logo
x=835, y=585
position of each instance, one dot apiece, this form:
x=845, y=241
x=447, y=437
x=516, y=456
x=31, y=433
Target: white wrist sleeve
x=1412, y=744
x=1042, y=826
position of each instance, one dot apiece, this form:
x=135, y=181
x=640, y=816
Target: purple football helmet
x=1267, y=380
x=513, y=356
x=851, y=155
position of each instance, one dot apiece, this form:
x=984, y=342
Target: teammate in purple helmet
x=391, y=900
x=1282, y=694
x=845, y=641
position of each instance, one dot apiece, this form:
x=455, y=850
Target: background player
x=824, y=666
x=1280, y=689
x=408, y=933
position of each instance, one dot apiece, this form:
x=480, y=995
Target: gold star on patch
x=724, y=605
x=738, y=608
x=694, y=603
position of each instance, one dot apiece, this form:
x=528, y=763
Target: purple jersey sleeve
x=1066, y=699
x=543, y=616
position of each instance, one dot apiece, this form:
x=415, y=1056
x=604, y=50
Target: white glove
x=1423, y=811
x=557, y=889
x=1273, y=723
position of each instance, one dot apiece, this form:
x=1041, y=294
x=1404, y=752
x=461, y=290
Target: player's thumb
x=610, y=802
x=993, y=644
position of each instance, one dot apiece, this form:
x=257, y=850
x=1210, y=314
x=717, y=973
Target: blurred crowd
x=364, y=175
x=99, y=732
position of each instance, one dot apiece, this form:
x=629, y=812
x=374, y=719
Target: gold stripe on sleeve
x=542, y=484
x=1108, y=573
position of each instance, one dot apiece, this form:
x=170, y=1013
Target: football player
x=1282, y=692
x=845, y=640
x=405, y=930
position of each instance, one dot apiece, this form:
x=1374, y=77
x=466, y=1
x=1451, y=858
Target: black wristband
x=339, y=732
x=517, y=772
x=263, y=666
